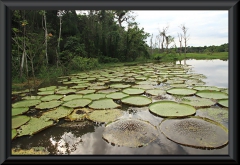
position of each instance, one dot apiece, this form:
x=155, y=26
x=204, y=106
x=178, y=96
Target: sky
x=205, y=28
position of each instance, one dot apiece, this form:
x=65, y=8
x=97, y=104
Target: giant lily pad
x=120, y=86
x=105, y=116
x=94, y=96
x=14, y=133
x=130, y=133
x=58, y=113
x=212, y=88
x=116, y=95
x=32, y=151
x=136, y=100
x=17, y=121
x=156, y=92
x=217, y=114
x=107, y=91
x=86, y=91
x=26, y=103
x=181, y=91
x=195, y=132
x=143, y=86
x=98, y=87
x=171, y=109
x=19, y=111
x=48, y=105
x=32, y=97
x=51, y=97
x=50, y=88
x=105, y=103
x=133, y=91
x=212, y=94
x=77, y=103
x=78, y=114
x=45, y=93
x=34, y=126
x=223, y=102
x=66, y=91
x=71, y=97
x=198, y=102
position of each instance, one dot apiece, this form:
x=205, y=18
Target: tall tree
x=185, y=37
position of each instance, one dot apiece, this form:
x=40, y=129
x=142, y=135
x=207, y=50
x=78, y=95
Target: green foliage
x=82, y=63
x=105, y=59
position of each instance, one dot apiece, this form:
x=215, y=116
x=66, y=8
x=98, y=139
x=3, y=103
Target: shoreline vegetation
x=53, y=72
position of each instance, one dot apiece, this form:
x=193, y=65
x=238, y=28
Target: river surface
x=85, y=138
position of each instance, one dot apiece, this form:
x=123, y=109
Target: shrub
x=105, y=59
x=81, y=63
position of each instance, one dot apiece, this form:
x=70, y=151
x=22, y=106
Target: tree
x=180, y=42
x=185, y=37
x=163, y=33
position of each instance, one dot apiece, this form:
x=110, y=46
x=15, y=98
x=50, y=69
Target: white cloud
x=205, y=27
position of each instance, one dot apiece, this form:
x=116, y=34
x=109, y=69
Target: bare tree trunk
x=59, y=38
x=46, y=34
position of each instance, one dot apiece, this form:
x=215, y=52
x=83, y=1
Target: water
x=81, y=138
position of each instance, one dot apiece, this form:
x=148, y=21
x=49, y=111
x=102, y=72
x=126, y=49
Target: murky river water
x=86, y=137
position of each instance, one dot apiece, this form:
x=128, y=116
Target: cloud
x=204, y=27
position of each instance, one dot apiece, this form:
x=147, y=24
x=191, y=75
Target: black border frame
x=5, y=76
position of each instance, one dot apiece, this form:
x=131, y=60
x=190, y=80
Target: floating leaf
x=78, y=114
x=26, y=103
x=223, y=102
x=34, y=126
x=58, y=113
x=116, y=95
x=45, y=93
x=195, y=132
x=77, y=103
x=32, y=151
x=130, y=133
x=212, y=88
x=107, y=91
x=105, y=116
x=133, y=91
x=19, y=111
x=98, y=87
x=181, y=91
x=14, y=133
x=48, y=105
x=32, y=97
x=155, y=92
x=51, y=97
x=212, y=94
x=143, y=86
x=120, y=86
x=66, y=91
x=50, y=88
x=86, y=91
x=105, y=103
x=171, y=109
x=94, y=96
x=197, y=101
x=17, y=121
x=136, y=100
x=71, y=97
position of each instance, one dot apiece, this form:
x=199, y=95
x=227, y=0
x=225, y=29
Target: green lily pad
x=98, y=87
x=66, y=91
x=32, y=151
x=34, y=126
x=181, y=91
x=136, y=100
x=105, y=103
x=51, y=97
x=80, y=86
x=116, y=95
x=195, y=132
x=107, y=91
x=147, y=83
x=19, y=110
x=17, y=121
x=197, y=101
x=71, y=97
x=143, y=86
x=105, y=116
x=94, y=96
x=50, y=88
x=130, y=133
x=223, y=102
x=48, y=105
x=26, y=103
x=133, y=91
x=58, y=113
x=31, y=97
x=217, y=114
x=45, y=93
x=14, y=133
x=116, y=80
x=120, y=86
x=86, y=91
x=211, y=88
x=171, y=109
x=212, y=94
x=155, y=92
x=178, y=85
x=77, y=103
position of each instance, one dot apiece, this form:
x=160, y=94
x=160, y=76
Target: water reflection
x=216, y=71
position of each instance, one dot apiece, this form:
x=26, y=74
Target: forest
x=58, y=42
